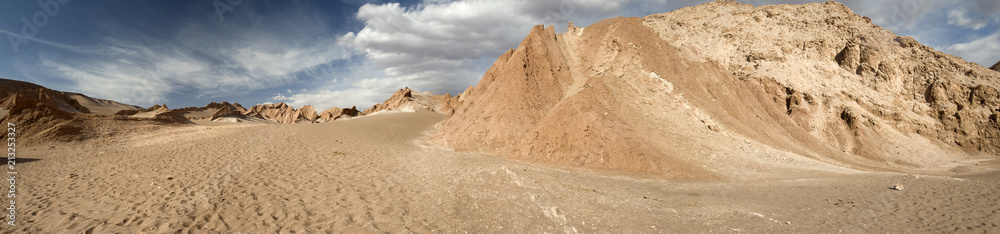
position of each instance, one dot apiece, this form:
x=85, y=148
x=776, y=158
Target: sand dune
x=101, y=106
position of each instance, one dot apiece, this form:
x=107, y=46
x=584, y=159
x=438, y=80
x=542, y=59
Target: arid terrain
x=722, y=117
x=373, y=174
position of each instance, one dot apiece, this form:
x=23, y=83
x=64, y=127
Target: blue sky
x=350, y=52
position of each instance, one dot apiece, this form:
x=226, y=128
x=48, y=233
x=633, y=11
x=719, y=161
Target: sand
x=100, y=106
x=812, y=119
x=376, y=174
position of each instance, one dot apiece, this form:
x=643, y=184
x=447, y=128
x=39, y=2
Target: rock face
x=851, y=84
x=407, y=101
x=225, y=109
x=394, y=101
x=152, y=111
x=51, y=114
x=161, y=112
x=307, y=112
x=283, y=113
x=996, y=66
x=449, y=103
x=279, y=112
x=338, y=113
x=678, y=94
x=12, y=89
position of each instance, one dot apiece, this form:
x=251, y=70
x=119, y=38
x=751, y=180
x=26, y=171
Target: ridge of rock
x=406, y=100
x=283, y=113
x=338, y=113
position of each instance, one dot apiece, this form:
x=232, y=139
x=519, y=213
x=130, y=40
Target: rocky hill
x=832, y=63
x=338, y=113
x=43, y=115
x=724, y=88
x=210, y=110
x=408, y=101
x=282, y=113
x=161, y=112
x=996, y=66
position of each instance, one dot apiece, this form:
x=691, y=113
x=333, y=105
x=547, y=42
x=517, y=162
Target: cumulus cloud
x=435, y=45
x=958, y=17
x=983, y=51
x=442, y=46
x=446, y=45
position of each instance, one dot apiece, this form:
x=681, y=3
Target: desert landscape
x=721, y=117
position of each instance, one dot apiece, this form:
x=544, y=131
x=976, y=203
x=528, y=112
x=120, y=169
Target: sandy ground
x=373, y=174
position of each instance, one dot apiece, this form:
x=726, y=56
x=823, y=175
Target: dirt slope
x=669, y=94
x=101, y=106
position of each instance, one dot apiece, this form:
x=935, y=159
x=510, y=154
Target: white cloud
x=445, y=46
x=160, y=71
x=958, y=17
x=438, y=45
x=200, y=59
x=441, y=46
x=114, y=81
x=368, y=87
x=983, y=51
